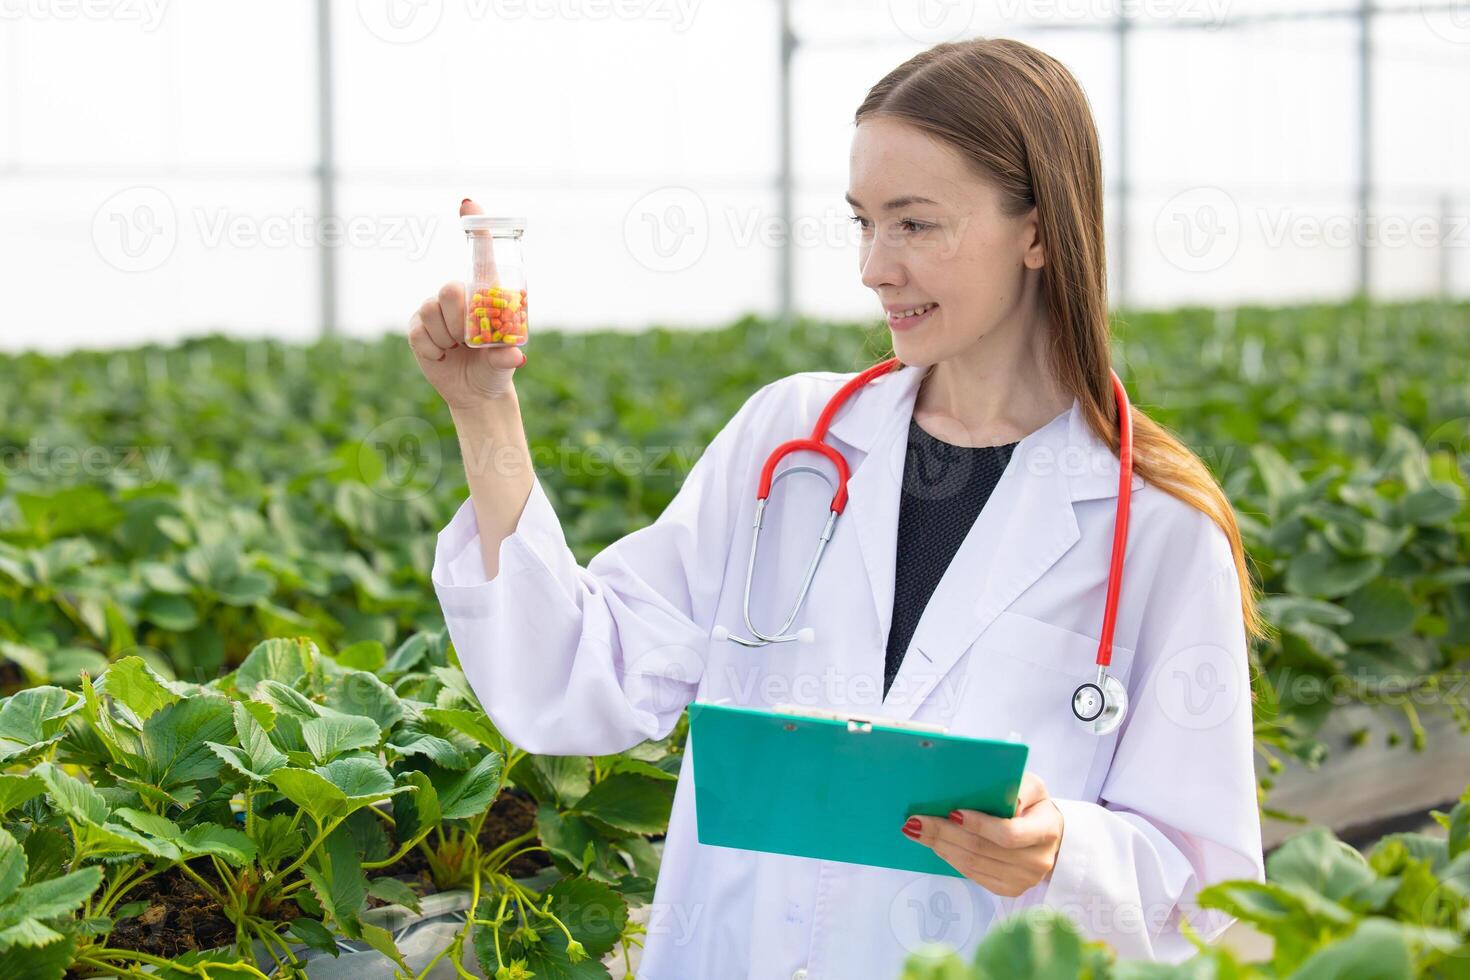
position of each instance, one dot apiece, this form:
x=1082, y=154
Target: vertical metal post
x=1123, y=182
x=784, y=178
x=1446, y=272
x=1365, y=143
x=326, y=167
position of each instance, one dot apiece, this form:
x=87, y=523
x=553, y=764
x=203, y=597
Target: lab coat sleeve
x=1178, y=809
x=569, y=660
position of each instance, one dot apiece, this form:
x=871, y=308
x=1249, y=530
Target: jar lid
x=485, y=222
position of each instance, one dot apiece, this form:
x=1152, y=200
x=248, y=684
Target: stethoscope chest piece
x=1100, y=705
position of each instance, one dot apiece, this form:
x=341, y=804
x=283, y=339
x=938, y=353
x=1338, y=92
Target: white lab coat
x=570, y=661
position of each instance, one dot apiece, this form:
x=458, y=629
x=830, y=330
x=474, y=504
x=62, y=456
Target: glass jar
x=495, y=291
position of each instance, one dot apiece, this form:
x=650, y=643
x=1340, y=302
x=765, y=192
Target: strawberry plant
x=1401, y=911
x=286, y=794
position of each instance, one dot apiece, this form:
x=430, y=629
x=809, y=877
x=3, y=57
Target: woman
x=969, y=596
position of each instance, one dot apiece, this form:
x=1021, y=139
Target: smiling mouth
x=912, y=316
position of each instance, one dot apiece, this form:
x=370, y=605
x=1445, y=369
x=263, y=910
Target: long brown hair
x=1022, y=120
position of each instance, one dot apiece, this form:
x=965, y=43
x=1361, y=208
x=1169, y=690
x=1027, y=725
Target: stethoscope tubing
x=1110, y=696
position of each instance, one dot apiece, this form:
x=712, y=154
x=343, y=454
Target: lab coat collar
x=1087, y=464
x=1026, y=526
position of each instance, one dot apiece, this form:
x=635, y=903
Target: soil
x=181, y=918
x=511, y=815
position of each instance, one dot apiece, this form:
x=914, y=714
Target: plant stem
x=113, y=968
x=398, y=856
x=230, y=881
x=116, y=892
x=208, y=889
x=311, y=848
x=264, y=941
x=198, y=970
x=494, y=857
x=250, y=810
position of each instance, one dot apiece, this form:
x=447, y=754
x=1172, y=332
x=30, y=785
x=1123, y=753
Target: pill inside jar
x=496, y=312
x=495, y=315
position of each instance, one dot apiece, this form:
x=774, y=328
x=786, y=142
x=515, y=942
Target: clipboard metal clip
x=859, y=722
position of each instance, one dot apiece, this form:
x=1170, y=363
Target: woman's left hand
x=1006, y=857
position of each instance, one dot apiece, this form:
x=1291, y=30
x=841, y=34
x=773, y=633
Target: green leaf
x=255, y=757
x=285, y=661
x=12, y=866
x=475, y=724
x=134, y=683
x=469, y=793
x=174, y=613
x=175, y=743
x=48, y=962
x=1382, y=611
x=1042, y=945
x=71, y=796
x=34, y=718
x=359, y=693
x=363, y=655
x=630, y=802
x=560, y=779
x=1431, y=506
x=1376, y=950
x=17, y=788
x=419, y=810
x=396, y=891
x=1329, y=575
x=149, y=823
x=313, y=934
x=410, y=739
x=336, y=789
x=337, y=879
x=286, y=702
x=329, y=737
x=276, y=840
x=381, y=940
x=223, y=842
x=593, y=912
x=47, y=851
x=1317, y=861
x=24, y=909
x=1287, y=610
x=1279, y=477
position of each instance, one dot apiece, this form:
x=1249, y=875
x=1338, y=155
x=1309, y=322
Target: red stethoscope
x=1099, y=705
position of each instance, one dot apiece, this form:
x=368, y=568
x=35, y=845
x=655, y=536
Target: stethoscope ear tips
x=806, y=635
x=720, y=634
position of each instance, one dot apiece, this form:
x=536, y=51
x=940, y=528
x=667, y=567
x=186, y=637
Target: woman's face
x=932, y=232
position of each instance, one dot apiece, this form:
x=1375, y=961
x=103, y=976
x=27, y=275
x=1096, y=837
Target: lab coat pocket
x=1023, y=674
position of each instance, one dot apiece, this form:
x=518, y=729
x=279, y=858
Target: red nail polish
x=912, y=827
x=956, y=817
x=464, y=202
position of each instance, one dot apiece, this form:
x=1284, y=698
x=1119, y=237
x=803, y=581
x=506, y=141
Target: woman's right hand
x=464, y=376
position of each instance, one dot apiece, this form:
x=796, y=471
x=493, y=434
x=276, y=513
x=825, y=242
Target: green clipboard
x=838, y=786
